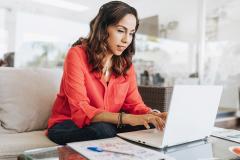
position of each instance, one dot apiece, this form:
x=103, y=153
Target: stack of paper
x=119, y=145
x=228, y=134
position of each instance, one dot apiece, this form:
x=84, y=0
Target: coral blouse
x=83, y=93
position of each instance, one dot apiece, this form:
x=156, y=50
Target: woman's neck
x=107, y=59
x=107, y=65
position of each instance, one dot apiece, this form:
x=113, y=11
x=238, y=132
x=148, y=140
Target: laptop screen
x=192, y=113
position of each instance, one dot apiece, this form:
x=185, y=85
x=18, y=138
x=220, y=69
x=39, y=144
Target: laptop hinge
x=205, y=139
x=165, y=148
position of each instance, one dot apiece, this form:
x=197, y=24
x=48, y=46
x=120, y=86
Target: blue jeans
x=67, y=131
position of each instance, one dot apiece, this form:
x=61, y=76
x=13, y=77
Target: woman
x=98, y=95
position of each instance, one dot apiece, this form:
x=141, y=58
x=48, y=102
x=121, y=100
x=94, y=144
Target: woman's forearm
x=110, y=117
x=157, y=120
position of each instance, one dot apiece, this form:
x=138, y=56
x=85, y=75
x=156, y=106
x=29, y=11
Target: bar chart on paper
x=228, y=134
x=117, y=148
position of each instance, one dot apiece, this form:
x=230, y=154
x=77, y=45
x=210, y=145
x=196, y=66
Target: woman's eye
x=121, y=31
x=131, y=34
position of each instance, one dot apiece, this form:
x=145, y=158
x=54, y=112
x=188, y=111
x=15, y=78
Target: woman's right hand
x=145, y=119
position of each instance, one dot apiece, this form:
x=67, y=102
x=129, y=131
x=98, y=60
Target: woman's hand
x=163, y=115
x=145, y=119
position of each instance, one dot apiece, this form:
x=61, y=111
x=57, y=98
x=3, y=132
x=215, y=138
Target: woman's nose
x=125, y=39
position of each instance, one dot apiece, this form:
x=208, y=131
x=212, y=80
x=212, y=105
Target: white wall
x=3, y=33
x=229, y=30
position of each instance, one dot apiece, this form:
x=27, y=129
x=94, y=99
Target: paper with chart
x=117, y=144
x=228, y=134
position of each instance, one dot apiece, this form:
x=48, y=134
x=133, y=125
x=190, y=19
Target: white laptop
x=191, y=117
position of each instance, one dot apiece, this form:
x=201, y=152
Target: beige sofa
x=26, y=98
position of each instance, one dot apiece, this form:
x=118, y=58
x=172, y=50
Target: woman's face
x=121, y=34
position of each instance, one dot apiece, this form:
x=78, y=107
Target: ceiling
x=165, y=9
x=145, y=8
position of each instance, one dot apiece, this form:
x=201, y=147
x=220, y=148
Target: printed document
x=119, y=145
x=228, y=134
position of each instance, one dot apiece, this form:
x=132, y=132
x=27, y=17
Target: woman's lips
x=121, y=48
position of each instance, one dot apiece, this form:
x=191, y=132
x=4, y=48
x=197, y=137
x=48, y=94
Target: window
x=222, y=53
x=3, y=33
x=42, y=41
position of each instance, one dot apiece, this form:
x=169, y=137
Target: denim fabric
x=67, y=131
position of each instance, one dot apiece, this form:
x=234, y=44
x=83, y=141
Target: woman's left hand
x=162, y=115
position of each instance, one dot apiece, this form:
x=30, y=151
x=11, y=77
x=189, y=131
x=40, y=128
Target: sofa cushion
x=26, y=97
x=14, y=144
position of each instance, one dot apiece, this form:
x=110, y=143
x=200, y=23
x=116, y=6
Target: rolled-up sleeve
x=133, y=103
x=74, y=87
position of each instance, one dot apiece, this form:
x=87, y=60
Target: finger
x=159, y=125
x=145, y=123
x=163, y=122
x=160, y=122
x=154, y=122
x=164, y=115
x=156, y=114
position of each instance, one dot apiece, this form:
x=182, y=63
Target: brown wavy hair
x=96, y=41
